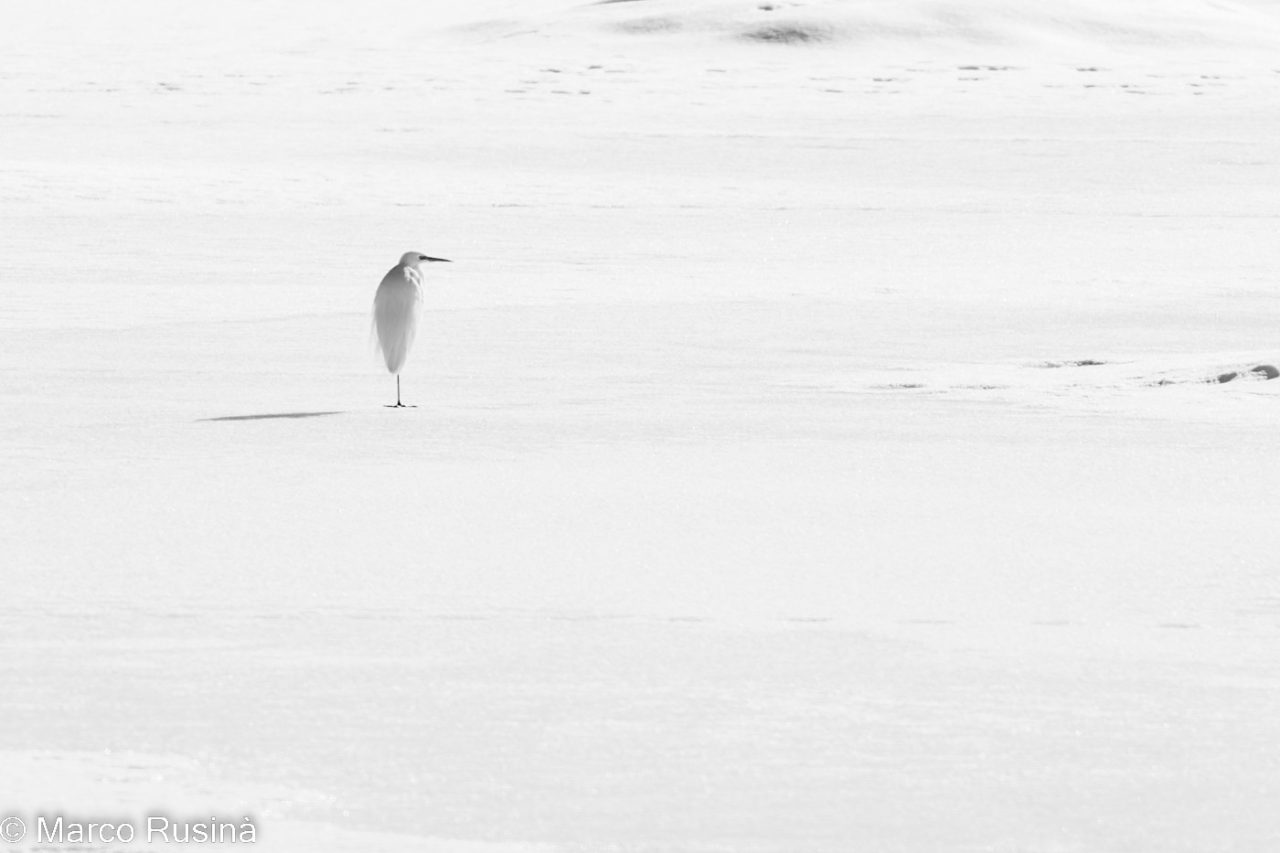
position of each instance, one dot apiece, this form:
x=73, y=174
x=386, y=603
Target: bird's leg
x=398, y=404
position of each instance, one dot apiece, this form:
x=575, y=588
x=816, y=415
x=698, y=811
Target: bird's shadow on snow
x=269, y=416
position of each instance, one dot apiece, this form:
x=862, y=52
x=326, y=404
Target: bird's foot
x=399, y=406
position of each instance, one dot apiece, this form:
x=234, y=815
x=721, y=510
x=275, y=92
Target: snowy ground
x=814, y=448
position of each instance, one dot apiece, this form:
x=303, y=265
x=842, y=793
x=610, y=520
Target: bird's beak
x=437, y=260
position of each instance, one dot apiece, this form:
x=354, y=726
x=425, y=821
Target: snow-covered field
x=816, y=448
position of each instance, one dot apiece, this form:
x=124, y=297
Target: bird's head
x=412, y=259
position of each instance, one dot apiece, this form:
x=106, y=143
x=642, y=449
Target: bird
x=396, y=307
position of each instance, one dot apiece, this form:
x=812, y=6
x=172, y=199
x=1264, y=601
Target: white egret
x=396, y=307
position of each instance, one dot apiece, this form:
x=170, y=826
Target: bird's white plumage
x=396, y=307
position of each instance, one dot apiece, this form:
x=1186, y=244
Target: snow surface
x=817, y=447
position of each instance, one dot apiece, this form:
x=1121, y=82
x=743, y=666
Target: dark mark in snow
x=1083, y=362
x=788, y=34
x=645, y=26
x=1266, y=371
